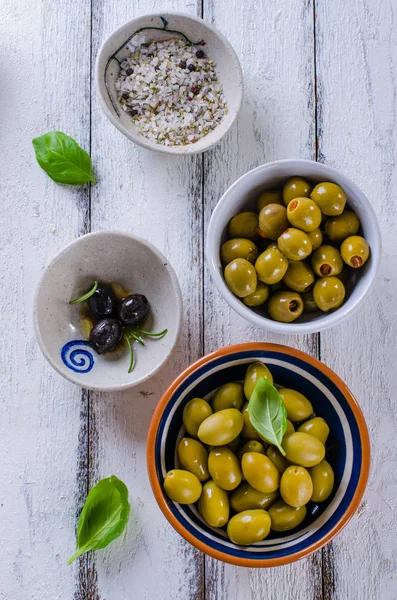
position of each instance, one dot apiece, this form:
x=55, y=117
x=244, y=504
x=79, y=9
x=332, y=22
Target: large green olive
x=277, y=458
x=299, y=276
x=329, y=293
x=221, y=427
x=271, y=266
x=258, y=297
x=330, y=197
x=316, y=238
x=285, y=517
x=269, y=197
x=182, y=486
x=214, y=505
x=294, y=244
x=317, y=427
x=248, y=527
x=248, y=431
x=354, y=251
x=260, y=472
x=304, y=214
x=254, y=372
x=285, y=306
x=244, y=225
x=273, y=221
x=229, y=395
x=251, y=446
x=298, y=407
x=248, y=498
x=296, y=187
x=326, y=261
x=241, y=277
x=303, y=449
x=194, y=413
x=239, y=248
x=323, y=481
x=340, y=227
x=296, y=486
x=224, y=468
x=193, y=457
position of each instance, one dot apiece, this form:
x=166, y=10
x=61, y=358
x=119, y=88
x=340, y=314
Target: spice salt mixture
x=171, y=90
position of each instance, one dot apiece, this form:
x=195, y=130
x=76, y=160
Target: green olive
x=254, y=372
x=294, y=244
x=316, y=238
x=193, y=457
x=323, y=481
x=277, y=458
x=328, y=293
x=248, y=527
x=214, y=505
x=340, y=227
x=229, y=395
x=298, y=407
x=330, y=197
x=221, y=428
x=296, y=486
x=271, y=266
x=309, y=306
x=326, y=261
x=299, y=276
x=285, y=517
x=240, y=277
x=303, y=449
x=273, y=221
x=248, y=432
x=269, y=197
x=239, y=248
x=258, y=297
x=285, y=306
x=247, y=498
x=224, y=468
x=260, y=472
x=304, y=214
x=182, y=486
x=244, y=225
x=251, y=446
x=290, y=429
x=296, y=187
x=354, y=251
x=317, y=427
x=194, y=413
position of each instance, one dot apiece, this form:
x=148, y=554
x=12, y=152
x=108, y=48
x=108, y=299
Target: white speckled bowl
x=111, y=257
x=195, y=29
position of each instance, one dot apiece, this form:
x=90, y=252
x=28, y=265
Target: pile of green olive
x=238, y=480
x=296, y=252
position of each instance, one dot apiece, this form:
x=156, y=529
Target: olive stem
x=148, y=333
x=132, y=356
x=85, y=296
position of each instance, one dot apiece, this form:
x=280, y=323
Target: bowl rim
x=157, y=489
x=178, y=308
x=328, y=320
x=141, y=141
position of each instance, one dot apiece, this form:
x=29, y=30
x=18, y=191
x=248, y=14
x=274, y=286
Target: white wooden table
x=320, y=84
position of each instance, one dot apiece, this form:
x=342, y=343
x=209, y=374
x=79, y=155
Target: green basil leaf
x=62, y=158
x=267, y=413
x=104, y=516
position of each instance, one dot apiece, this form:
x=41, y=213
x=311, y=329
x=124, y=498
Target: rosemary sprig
x=85, y=296
x=132, y=355
x=149, y=333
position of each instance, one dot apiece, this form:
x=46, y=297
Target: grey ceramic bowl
x=162, y=26
x=109, y=257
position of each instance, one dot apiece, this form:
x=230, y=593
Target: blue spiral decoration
x=78, y=360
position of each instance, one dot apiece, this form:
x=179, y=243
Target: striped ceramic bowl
x=348, y=450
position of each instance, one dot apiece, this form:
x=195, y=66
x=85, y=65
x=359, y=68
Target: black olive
x=103, y=301
x=191, y=67
x=200, y=54
x=134, y=309
x=129, y=71
x=105, y=335
x=182, y=64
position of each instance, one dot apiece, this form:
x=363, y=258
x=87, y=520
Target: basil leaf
x=267, y=413
x=62, y=158
x=104, y=516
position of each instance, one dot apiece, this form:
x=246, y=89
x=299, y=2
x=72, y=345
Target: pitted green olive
x=258, y=297
x=248, y=527
x=329, y=293
x=298, y=407
x=194, y=413
x=296, y=187
x=323, y=481
x=317, y=427
x=244, y=225
x=239, y=248
x=355, y=251
x=221, y=427
x=326, y=261
x=251, y=446
x=304, y=214
x=241, y=277
x=269, y=197
x=273, y=221
x=303, y=449
x=330, y=197
x=271, y=266
x=214, y=505
x=299, y=276
x=182, y=486
x=229, y=395
x=224, y=468
x=340, y=227
x=248, y=431
x=260, y=472
x=294, y=244
x=285, y=517
x=285, y=306
x=193, y=457
x=296, y=486
x=277, y=458
x=247, y=498
x=252, y=374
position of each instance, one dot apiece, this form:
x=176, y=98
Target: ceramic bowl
x=162, y=26
x=109, y=257
x=348, y=450
x=242, y=196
